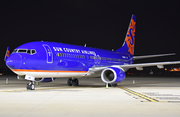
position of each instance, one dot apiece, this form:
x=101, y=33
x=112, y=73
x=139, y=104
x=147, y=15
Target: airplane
x=44, y=61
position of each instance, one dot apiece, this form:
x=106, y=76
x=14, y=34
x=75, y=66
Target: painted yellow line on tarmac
x=137, y=83
x=23, y=90
x=139, y=94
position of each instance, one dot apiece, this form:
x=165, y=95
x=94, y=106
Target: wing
x=140, y=66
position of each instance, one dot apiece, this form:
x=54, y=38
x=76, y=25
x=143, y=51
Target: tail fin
x=128, y=46
x=7, y=53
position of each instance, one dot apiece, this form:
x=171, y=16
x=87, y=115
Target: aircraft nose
x=14, y=61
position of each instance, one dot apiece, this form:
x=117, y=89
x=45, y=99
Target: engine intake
x=112, y=75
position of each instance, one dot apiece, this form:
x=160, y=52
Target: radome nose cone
x=14, y=61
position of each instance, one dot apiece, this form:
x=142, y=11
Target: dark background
x=97, y=23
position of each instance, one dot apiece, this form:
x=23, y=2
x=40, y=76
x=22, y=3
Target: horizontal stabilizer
x=151, y=56
x=158, y=64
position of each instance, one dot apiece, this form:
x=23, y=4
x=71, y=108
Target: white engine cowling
x=112, y=75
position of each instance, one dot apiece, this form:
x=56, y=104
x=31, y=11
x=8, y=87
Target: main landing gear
x=30, y=86
x=74, y=82
x=112, y=85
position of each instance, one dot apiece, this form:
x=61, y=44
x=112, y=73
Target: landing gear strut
x=30, y=86
x=74, y=82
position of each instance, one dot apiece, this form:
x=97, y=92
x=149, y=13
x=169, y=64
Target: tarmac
x=135, y=96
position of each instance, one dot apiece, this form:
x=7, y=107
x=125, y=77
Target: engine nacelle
x=112, y=75
x=44, y=79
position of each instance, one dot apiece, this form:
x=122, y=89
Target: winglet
x=7, y=53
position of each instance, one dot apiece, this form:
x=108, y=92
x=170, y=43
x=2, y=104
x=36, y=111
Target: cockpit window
x=33, y=51
x=15, y=51
x=22, y=51
x=29, y=51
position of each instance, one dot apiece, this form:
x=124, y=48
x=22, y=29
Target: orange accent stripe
x=27, y=70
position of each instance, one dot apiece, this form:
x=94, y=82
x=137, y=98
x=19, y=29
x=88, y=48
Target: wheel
x=30, y=86
x=109, y=85
x=75, y=82
x=114, y=85
x=69, y=82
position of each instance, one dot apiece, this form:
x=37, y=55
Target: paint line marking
x=144, y=83
x=165, y=101
x=24, y=90
x=143, y=96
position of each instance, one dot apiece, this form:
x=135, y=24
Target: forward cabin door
x=48, y=53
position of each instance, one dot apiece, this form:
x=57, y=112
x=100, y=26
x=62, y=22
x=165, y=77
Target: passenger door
x=48, y=53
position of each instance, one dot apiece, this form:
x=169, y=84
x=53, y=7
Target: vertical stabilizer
x=7, y=54
x=128, y=46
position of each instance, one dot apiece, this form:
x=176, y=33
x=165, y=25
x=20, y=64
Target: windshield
x=28, y=51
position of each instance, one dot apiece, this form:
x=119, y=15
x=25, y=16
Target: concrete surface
x=91, y=98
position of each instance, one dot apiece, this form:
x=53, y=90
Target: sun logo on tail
x=7, y=54
x=130, y=38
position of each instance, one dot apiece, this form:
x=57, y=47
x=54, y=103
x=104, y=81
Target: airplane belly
x=57, y=74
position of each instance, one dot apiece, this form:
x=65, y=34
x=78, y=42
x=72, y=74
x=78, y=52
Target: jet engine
x=112, y=75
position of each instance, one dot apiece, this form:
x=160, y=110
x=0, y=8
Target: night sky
x=97, y=23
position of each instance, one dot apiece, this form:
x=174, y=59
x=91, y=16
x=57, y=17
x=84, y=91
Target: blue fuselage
x=52, y=56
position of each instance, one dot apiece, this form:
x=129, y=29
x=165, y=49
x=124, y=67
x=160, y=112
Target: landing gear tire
x=30, y=86
x=69, y=82
x=114, y=85
x=109, y=85
x=73, y=82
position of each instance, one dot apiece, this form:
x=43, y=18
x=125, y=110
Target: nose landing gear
x=30, y=86
x=73, y=82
